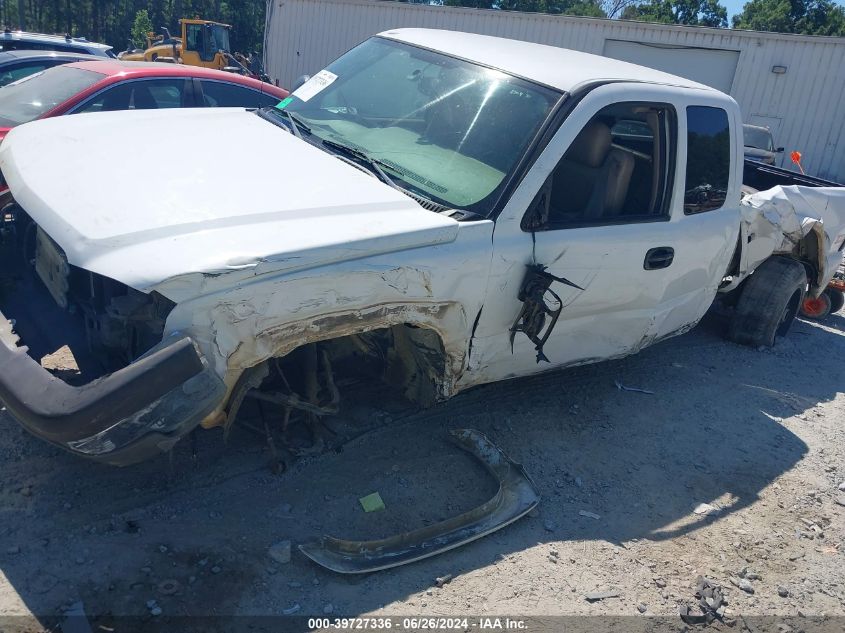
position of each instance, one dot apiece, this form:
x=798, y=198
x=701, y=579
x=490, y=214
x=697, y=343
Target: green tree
x=809, y=17
x=691, y=12
x=140, y=27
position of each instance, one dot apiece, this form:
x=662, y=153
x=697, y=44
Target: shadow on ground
x=710, y=433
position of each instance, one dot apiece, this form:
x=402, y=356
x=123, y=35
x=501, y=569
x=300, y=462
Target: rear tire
x=837, y=299
x=816, y=308
x=770, y=299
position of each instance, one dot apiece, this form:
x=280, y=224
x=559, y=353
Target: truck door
x=603, y=211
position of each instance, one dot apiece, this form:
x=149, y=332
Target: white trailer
x=793, y=84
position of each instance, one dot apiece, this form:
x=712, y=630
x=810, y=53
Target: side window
x=201, y=40
x=163, y=93
x=194, y=37
x=216, y=94
x=708, y=159
x=619, y=169
x=139, y=95
x=13, y=73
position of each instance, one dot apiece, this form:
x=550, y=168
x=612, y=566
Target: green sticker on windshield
x=284, y=103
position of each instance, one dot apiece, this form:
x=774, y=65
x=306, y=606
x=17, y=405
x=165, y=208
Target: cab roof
x=555, y=67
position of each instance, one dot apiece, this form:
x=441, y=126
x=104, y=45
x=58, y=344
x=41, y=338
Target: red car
x=101, y=86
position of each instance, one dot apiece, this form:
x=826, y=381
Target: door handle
x=660, y=257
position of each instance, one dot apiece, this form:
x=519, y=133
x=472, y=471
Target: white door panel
x=622, y=306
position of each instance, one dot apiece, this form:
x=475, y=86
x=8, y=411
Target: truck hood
x=144, y=197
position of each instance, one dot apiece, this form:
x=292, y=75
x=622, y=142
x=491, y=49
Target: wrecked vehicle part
x=121, y=418
x=408, y=361
x=313, y=408
x=84, y=362
x=515, y=498
x=807, y=223
x=295, y=401
x=436, y=331
x=539, y=302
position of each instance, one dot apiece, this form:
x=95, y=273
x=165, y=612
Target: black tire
x=837, y=299
x=770, y=299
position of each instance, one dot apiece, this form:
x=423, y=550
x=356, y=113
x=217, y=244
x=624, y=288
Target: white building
x=794, y=84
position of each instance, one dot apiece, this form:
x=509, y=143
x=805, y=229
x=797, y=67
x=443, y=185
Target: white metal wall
x=806, y=104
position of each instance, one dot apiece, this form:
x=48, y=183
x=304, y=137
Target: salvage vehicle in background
x=436, y=209
x=109, y=85
x=759, y=144
x=21, y=40
x=15, y=65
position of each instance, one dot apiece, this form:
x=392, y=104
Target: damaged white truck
x=435, y=209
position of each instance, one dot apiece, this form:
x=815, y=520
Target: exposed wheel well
x=312, y=378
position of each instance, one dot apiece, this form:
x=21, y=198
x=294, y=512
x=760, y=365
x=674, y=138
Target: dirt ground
x=759, y=435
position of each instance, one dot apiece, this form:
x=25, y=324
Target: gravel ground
x=757, y=435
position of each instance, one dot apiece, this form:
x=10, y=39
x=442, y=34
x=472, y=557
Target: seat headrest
x=591, y=146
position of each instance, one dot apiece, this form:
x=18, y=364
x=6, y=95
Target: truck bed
x=761, y=177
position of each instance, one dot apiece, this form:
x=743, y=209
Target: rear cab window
x=708, y=159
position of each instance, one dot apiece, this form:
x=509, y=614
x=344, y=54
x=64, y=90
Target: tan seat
x=591, y=181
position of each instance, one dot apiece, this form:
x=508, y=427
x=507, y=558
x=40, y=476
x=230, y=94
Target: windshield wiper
x=294, y=122
x=373, y=163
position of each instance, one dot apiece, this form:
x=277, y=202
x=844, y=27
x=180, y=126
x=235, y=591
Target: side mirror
x=779, y=150
x=298, y=83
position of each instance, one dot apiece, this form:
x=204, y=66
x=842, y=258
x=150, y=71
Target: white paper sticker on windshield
x=316, y=84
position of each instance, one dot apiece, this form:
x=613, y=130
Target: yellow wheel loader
x=203, y=43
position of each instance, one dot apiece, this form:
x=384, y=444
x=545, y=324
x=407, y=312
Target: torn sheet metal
x=539, y=303
x=777, y=220
x=515, y=498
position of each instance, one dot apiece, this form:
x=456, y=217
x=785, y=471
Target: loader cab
x=205, y=43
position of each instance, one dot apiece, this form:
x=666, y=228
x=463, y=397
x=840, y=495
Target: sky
x=733, y=7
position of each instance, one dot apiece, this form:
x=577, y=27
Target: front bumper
x=122, y=418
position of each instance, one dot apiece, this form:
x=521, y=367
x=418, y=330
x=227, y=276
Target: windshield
x=759, y=138
x=448, y=130
x=219, y=38
x=32, y=96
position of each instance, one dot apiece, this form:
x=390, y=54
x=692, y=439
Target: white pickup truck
x=437, y=209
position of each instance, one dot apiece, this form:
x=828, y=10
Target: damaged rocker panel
x=515, y=498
